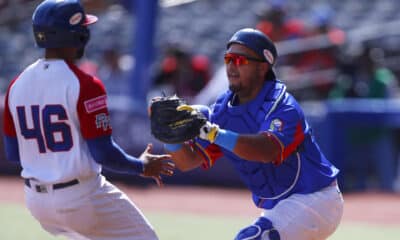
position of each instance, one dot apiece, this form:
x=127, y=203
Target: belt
x=42, y=188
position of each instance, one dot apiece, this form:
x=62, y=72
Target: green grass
x=16, y=223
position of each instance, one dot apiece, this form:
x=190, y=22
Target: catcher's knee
x=262, y=229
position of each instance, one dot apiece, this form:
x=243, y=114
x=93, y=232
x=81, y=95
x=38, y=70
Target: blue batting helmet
x=259, y=43
x=61, y=23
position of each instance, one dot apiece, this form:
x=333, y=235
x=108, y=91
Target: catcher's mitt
x=170, y=125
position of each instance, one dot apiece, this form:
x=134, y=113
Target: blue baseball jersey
x=301, y=167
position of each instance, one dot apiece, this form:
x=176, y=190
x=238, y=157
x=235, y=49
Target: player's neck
x=63, y=54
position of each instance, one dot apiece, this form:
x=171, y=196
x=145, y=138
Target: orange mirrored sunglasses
x=239, y=59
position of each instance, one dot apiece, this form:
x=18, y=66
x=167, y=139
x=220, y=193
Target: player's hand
x=209, y=131
x=155, y=165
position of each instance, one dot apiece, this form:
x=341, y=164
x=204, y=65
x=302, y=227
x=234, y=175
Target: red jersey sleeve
x=8, y=123
x=286, y=127
x=92, y=107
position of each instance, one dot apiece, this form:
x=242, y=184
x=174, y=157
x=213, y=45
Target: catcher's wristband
x=173, y=147
x=226, y=139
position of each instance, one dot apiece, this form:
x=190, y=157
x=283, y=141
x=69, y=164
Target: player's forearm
x=107, y=153
x=257, y=147
x=252, y=147
x=184, y=157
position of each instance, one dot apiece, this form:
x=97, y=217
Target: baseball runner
x=57, y=125
x=261, y=129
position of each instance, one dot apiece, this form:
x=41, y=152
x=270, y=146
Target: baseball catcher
x=260, y=128
x=173, y=121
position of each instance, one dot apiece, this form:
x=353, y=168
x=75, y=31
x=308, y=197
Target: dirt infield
x=376, y=208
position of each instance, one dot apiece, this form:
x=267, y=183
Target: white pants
x=93, y=209
x=308, y=216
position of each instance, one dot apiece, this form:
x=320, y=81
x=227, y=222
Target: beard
x=80, y=53
x=235, y=88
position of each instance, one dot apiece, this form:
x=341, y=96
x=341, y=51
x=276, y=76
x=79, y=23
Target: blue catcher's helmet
x=259, y=43
x=61, y=23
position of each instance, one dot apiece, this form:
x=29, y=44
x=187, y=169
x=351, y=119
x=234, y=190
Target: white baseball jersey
x=51, y=107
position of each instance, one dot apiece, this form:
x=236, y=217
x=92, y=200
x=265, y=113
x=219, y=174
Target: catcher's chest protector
x=248, y=118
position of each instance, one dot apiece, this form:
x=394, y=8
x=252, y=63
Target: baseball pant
x=93, y=209
x=312, y=216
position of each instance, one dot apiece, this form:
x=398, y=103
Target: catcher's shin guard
x=259, y=231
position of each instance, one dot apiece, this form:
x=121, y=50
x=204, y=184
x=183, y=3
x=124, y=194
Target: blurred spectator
x=324, y=58
x=115, y=71
x=372, y=148
x=365, y=76
x=182, y=73
x=275, y=24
